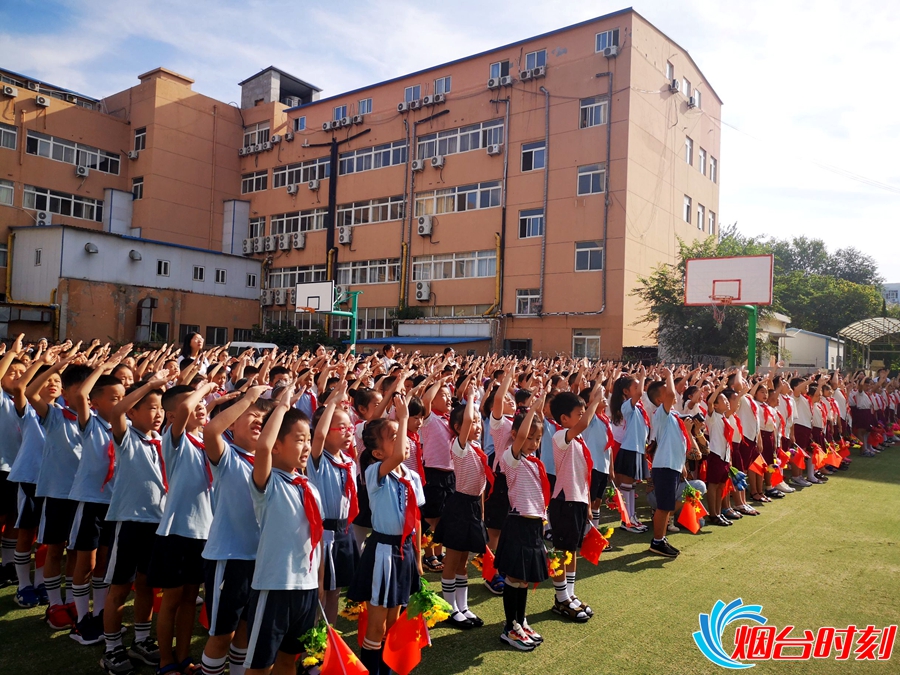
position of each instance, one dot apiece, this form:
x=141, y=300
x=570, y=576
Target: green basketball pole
x=751, y=337
x=353, y=315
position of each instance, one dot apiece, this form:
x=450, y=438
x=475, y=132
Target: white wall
x=812, y=349
x=30, y=282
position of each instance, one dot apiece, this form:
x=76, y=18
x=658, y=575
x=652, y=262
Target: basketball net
x=719, y=304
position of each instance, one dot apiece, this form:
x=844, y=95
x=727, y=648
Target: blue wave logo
x=712, y=625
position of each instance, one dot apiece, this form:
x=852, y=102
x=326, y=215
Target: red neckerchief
x=740, y=427
x=729, y=432
x=313, y=517
x=444, y=415
x=542, y=476
x=783, y=423
x=767, y=414
x=410, y=512
x=488, y=473
x=312, y=401
x=68, y=413
x=609, y=437
x=640, y=406
x=587, y=459
x=684, y=431
x=809, y=402
x=789, y=404
x=834, y=408
x=824, y=408
x=556, y=426
x=156, y=443
x=111, y=468
x=753, y=406
x=349, y=487
x=202, y=448
x=250, y=459
x=417, y=449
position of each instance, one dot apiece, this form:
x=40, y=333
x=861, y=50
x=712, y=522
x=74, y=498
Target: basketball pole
x=752, y=315
x=353, y=315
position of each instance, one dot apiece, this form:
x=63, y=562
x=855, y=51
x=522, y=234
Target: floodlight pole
x=354, y=317
x=752, y=315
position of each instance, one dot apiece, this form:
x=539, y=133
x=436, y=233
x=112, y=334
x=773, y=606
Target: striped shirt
x=470, y=476
x=501, y=434
x=525, y=495
x=436, y=439
x=571, y=469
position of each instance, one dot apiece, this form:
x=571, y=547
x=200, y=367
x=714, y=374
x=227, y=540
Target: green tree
x=287, y=336
x=825, y=304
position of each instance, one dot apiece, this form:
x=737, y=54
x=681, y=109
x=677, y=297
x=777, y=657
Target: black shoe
x=8, y=575
x=453, y=621
x=731, y=514
x=821, y=476
x=117, y=662
x=87, y=631
x=663, y=548
x=476, y=621
x=774, y=494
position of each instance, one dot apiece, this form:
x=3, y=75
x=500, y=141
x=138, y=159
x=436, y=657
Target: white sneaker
x=799, y=481
x=784, y=488
x=633, y=528
x=813, y=481
x=671, y=527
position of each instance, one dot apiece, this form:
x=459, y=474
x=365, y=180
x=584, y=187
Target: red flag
x=488, y=571
x=204, y=617
x=339, y=659
x=798, y=458
x=701, y=473
x=758, y=466
x=691, y=513
x=593, y=545
x=783, y=457
x=40, y=556
x=818, y=459
x=362, y=625
x=776, y=478
x=404, y=642
x=729, y=487
x=620, y=507
x=834, y=458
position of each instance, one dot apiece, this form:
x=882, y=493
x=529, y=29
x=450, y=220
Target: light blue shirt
x=330, y=481
x=188, y=511
x=61, y=455
x=304, y=405
x=670, y=442
x=234, y=533
x=487, y=438
x=139, y=495
x=10, y=433
x=636, y=431
x=547, y=448
x=387, y=497
x=283, y=557
x=94, y=465
x=27, y=466
x=595, y=436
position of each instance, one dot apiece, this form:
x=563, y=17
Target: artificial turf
x=828, y=555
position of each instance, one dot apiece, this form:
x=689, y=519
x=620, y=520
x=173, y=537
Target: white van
x=237, y=348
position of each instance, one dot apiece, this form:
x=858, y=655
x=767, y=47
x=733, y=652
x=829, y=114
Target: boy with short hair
x=11, y=369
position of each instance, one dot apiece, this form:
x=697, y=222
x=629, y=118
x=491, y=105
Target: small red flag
x=362, y=625
x=488, y=571
x=818, y=459
x=776, y=477
x=339, y=659
x=701, y=474
x=404, y=642
x=691, y=513
x=593, y=545
x=40, y=556
x=204, y=617
x=620, y=507
x=798, y=458
x=758, y=466
x=783, y=457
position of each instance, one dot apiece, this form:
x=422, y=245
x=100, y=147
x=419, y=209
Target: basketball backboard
x=317, y=296
x=739, y=280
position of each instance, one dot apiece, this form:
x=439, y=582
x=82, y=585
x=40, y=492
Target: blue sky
x=810, y=131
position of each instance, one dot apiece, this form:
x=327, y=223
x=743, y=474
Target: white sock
x=53, y=593
x=211, y=666
x=595, y=518
x=100, y=589
x=236, y=658
x=81, y=596
x=570, y=583
x=38, y=576
x=462, y=595
x=113, y=640
x=8, y=551
x=628, y=498
x=69, y=597
x=448, y=587
x=810, y=470
x=141, y=631
x=23, y=569
x=561, y=588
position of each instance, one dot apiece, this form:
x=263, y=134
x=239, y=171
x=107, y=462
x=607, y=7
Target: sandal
x=188, y=667
x=585, y=608
x=748, y=510
x=566, y=610
x=432, y=564
x=171, y=668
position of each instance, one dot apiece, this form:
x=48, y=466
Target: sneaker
x=799, y=481
x=73, y=612
x=774, y=494
x=673, y=528
x=532, y=635
x=117, y=662
x=662, y=548
x=58, y=617
x=822, y=477
x=495, y=585
x=146, y=651
x=633, y=528
x=27, y=597
x=515, y=638
x=8, y=575
x=814, y=481
x=41, y=591
x=87, y=631
x=784, y=488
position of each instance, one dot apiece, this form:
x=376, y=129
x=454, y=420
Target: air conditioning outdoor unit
x=82, y=171
x=692, y=102
x=9, y=90
x=284, y=242
x=326, y=126
x=313, y=185
x=345, y=235
x=243, y=152
x=428, y=100
x=540, y=71
x=291, y=101
x=403, y=107
x=439, y=98
x=494, y=149
x=292, y=296
x=298, y=240
x=675, y=85
x=292, y=189
x=258, y=147
x=424, y=225
x=418, y=165
x=289, y=136
x=34, y=86
x=506, y=81
x=43, y=101
x=259, y=243
x=267, y=297
x=43, y=218
x=437, y=161
x=494, y=83
x=71, y=98
x=346, y=121
x=357, y=119
x=276, y=138
x=280, y=296
x=526, y=75
x=134, y=154
x=415, y=105
x=247, y=246
x=271, y=243
x=341, y=293
x=267, y=145
x=611, y=52
x=423, y=291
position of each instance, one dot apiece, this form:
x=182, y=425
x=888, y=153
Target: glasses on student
x=343, y=429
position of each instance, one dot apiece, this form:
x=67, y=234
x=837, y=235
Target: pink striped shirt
x=470, y=479
x=571, y=469
x=436, y=438
x=524, y=480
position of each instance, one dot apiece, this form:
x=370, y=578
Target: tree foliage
x=287, y=336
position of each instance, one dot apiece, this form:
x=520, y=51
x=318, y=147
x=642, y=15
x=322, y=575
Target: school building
x=506, y=200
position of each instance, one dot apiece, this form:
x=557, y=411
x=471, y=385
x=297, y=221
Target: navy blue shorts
x=56, y=520
x=176, y=561
x=439, y=485
x=130, y=552
x=29, y=507
x=568, y=521
x=598, y=484
x=227, y=593
x=8, y=493
x=665, y=481
x=277, y=621
x=90, y=530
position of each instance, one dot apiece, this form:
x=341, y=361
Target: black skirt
x=439, y=485
x=364, y=517
x=567, y=523
x=461, y=527
x=496, y=507
x=521, y=553
x=632, y=464
x=383, y=577
x=341, y=555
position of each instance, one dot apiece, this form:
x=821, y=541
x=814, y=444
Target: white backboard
x=745, y=280
x=317, y=296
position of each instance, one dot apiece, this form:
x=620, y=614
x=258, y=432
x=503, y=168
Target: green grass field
x=828, y=556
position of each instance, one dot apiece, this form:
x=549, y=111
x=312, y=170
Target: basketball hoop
x=719, y=304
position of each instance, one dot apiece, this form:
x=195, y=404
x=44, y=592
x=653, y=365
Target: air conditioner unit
x=357, y=119
x=540, y=71
x=10, y=91
x=346, y=121
x=341, y=293
x=267, y=297
x=326, y=126
x=437, y=161
x=267, y=145
x=82, y=171
x=71, y=98
x=439, y=98
x=313, y=185
x=292, y=296
x=247, y=246
x=280, y=296
x=243, y=152
x=271, y=243
x=43, y=101
x=428, y=100
x=418, y=165
x=403, y=107
x=424, y=225
x=298, y=240
x=692, y=102
x=284, y=241
x=258, y=147
x=291, y=101
x=289, y=136
x=526, y=75
x=506, y=81
x=43, y=218
x=611, y=52
x=292, y=189
x=34, y=86
x=494, y=149
x=415, y=105
x=675, y=85
x=259, y=244
x=134, y=154
x=423, y=291
x=345, y=234
x=276, y=139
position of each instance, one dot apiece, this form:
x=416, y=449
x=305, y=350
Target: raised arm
x=11, y=355
x=19, y=386
x=33, y=392
x=214, y=444
x=318, y=442
x=668, y=394
x=118, y=421
x=468, y=416
x=262, y=465
x=522, y=434
x=585, y=420
x=401, y=412
x=82, y=397
x=502, y=391
x=430, y=393
x=187, y=406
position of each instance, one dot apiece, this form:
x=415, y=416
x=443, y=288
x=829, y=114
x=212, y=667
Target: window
x=586, y=343
x=256, y=133
x=216, y=336
x=365, y=106
x=442, y=85
x=686, y=86
x=713, y=169
x=257, y=227
x=371, y=211
x=697, y=100
x=701, y=216
x=609, y=38
x=297, y=221
x=4, y=255
x=294, y=174
x=670, y=71
x=251, y=281
x=300, y=123
x=340, y=111
x=140, y=138
x=383, y=271
x=588, y=256
x=593, y=111
x=243, y=334
x=378, y=157
x=500, y=69
x=689, y=150
x=533, y=156
x=8, y=135
x=687, y=209
x=701, y=160
x=37, y=257
x=199, y=273
x=890, y=296
x=220, y=276
x=591, y=179
x=41, y=199
x=528, y=301
x=159, y=332
x=6, y=192
x=288, y=277
x=535, y=59
x=413, y=93
x=162, y=268
x=137, y=187
x=461, y=139
x=531, y=223
x=61, y=150
x=254, y=182
x=373, y=322
x=712, y=222
x=185, y=330
x=462, y=198
x=470, y=265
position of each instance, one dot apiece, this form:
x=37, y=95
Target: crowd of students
x=276, y=481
